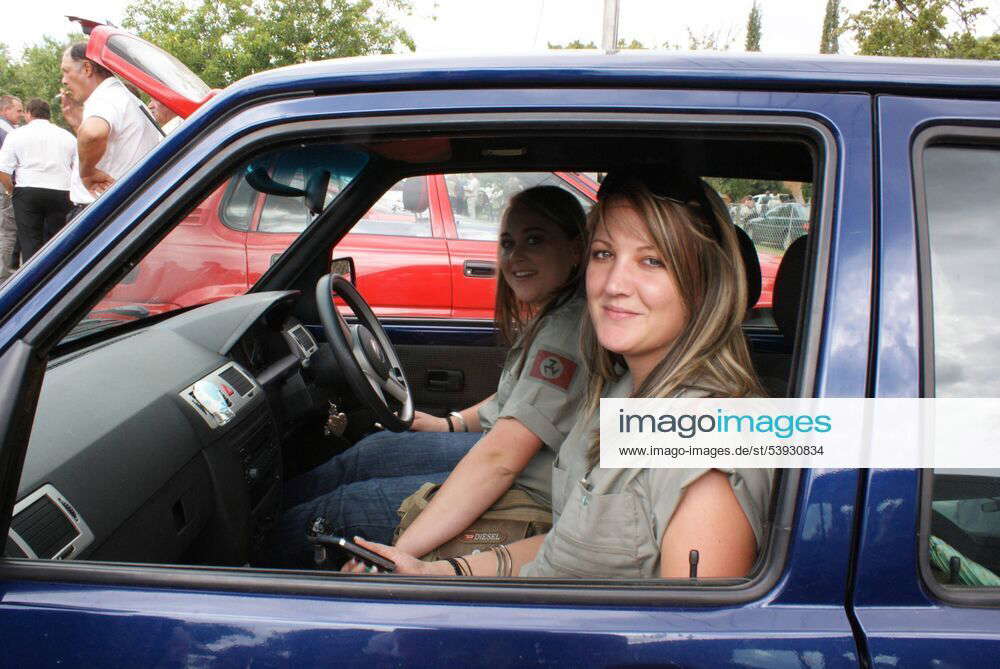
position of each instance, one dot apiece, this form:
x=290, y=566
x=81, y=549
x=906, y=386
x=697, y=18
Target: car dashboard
x=163, y=444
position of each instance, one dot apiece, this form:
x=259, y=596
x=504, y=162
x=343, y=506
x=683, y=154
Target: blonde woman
x=665, y=297
x=508, y=439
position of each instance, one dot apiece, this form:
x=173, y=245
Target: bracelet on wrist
x=461, y=420
x=451, y=426
x=454, y=565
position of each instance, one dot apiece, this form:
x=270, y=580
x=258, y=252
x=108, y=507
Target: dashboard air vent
x=44, y=527
x=304, y=339
x=237, y=380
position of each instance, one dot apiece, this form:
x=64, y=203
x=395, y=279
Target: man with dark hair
x=35, y=163
x=11, y=114
x=115, y=131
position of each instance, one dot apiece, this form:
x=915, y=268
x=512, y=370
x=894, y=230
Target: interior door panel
x=433, y=371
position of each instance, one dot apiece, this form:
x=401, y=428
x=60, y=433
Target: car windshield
x=203, y=259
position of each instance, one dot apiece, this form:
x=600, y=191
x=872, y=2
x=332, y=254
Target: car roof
x=692, y=69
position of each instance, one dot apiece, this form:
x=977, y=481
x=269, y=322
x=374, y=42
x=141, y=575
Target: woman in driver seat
x=507, y=440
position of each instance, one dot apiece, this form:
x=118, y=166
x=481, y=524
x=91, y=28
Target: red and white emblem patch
x=553, y=368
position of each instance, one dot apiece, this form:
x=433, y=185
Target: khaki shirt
x=612, y=525
x=545, y=396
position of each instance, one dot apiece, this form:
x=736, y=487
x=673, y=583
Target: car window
x=961, y=231
x=478, y=199
x=771, y=226
x=204, y=259
x=403, y=210
x=238, y=204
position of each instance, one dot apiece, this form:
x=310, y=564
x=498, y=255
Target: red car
x=427, y=237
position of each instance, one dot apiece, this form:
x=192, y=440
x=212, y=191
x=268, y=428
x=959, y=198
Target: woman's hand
x=424, y=422
x=406, y=564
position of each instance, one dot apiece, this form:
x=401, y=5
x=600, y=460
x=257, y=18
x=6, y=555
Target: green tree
x=36, y=73
x=575, y=44
x=753, y=28
x=225, y=40
x=828, y=42
x=580, y=44
x=922, y=28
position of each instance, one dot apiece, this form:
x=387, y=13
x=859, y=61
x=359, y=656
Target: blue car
x=144, y=453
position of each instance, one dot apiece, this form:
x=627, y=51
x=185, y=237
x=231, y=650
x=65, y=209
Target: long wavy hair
x=517, y=320
x=700, y=249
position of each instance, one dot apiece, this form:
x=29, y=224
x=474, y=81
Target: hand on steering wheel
x=365, y=354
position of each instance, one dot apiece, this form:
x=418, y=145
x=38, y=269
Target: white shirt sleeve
x=104, y=108
x=8, y=159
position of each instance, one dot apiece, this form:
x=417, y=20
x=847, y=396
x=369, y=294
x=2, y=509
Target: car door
x=400, y=255
x=937, y=301
x=792, y=613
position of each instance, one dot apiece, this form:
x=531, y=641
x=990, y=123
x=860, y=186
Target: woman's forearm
x=482, y=476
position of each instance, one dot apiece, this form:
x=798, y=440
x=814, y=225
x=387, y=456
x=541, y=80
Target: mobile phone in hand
x=365, y=555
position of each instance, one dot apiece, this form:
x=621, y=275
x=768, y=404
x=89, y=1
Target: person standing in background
x=39, y=155
x=72, y=112
x=114, y=133
x=11, y=114
x=167, y=119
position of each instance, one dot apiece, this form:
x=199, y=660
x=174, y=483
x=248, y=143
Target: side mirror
x=344, y=267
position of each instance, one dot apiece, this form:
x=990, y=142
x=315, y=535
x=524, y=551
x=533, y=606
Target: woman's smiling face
x=536, y=256
x=633, y=299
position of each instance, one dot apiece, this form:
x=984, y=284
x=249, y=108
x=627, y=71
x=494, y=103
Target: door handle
x=479, y=269
x=445, y=380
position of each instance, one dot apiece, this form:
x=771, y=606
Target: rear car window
x=960, y=183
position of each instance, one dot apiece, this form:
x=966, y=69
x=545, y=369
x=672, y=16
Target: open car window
x=202, y=260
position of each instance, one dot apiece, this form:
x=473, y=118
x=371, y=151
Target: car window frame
x=979, y=135
x=186, y=190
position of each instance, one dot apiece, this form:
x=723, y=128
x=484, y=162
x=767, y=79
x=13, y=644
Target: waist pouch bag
x=512, y=517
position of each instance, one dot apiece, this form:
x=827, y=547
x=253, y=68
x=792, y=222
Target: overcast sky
x=470, y=26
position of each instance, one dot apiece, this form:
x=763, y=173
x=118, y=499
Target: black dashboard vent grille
x=304, y=339
x=13, y=550
x=237, y=380
x=44, y=527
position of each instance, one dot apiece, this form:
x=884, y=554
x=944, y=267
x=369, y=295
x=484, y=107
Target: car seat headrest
x=788, y=287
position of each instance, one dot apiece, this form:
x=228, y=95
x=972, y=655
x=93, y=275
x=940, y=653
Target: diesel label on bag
x=484, y=537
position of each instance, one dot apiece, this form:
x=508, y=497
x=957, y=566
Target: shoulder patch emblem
x=553, y=368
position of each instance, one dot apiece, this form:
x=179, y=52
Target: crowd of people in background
x=48, y=174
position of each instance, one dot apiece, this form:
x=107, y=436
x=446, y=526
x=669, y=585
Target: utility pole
x=609, y=35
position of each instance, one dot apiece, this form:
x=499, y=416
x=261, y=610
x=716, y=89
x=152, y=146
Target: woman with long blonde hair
x=666, y=293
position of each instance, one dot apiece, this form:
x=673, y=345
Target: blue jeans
x=359, y=491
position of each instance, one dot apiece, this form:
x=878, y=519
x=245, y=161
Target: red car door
x=400, y=255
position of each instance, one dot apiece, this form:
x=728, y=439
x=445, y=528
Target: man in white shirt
x=35, y=163
x=11, y=115
x=115, y=132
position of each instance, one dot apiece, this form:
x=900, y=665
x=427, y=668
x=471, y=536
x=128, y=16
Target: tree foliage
x=225, y=40
x=753, y=28
x=828, y=40
x=923, y=28
x=36, y=73
x=575, y=44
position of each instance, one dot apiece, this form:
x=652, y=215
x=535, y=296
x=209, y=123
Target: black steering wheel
x=365, y=354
